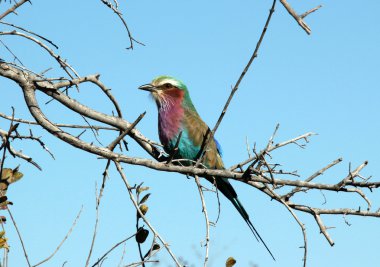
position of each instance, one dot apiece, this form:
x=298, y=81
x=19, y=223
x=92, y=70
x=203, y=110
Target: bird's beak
x=148, y=87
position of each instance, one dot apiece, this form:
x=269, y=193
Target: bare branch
x=120, y=170
x=299, y=18
x=18, y=154
x=302, y=16
x=116, y=10
x=316, y=174
x=19, y=236
x=210, y=135
x=97, y=205
x=270, y=148
x=64, y=65
x=73, y=126
x=126, y=132
x=111, y=249
x=28, y=31
x=13, y=8
x=302, y=226
x=207, y=222
x=63, y=241
x=323, y=229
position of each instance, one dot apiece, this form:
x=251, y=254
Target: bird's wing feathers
x=218, y=147
x=196, y=130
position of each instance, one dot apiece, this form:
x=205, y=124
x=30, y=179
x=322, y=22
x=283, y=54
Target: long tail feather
x=245, y=216
x=226, y=188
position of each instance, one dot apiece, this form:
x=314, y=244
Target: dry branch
x=299, y=18
x=13, y=8
x=63, y=241
x=256, y=178
x=260, y=173
x=207, y=221
x=166, y=245
x=115, y=9
x=209, y=135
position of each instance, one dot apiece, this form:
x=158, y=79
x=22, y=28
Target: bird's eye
x=167, y=85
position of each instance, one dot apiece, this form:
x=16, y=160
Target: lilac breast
x=169, y=123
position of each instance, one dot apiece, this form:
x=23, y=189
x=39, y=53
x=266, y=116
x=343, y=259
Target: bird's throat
x=170, y=116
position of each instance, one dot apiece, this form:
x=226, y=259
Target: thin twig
x=98, y=198
x=19, y=236
x=64, y=65
x=273, y=147
x=126, y=132
x=63, y=241
x=111, y=249
x=74, y=126
x=120, y=15
x=302, y=226
x=120, y=170
x=28, y=31
x=302, y=16
x=316, y=174
x=122, y=256
x=210, y=135
x=207, y=222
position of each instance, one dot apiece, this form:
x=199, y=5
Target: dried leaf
x=141, y=235
x=3, y=240
x=152, y=251
x=10, y=176
x=6, y=174
x=3, y=199
x=3, y=186
x=142, y=189
x=144, y=209
x=230, y=262
x=145, y=198
x=16, y=176
x=3, y=206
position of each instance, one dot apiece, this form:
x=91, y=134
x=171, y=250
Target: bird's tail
x=226, y=188
x=244, y=214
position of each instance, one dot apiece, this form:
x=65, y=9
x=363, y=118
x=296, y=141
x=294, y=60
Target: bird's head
x=166, y=91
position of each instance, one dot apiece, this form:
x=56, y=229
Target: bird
x=182, y=132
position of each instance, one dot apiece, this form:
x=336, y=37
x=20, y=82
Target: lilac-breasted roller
x=179, y=120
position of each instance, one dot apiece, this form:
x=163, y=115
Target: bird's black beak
x=147, y=87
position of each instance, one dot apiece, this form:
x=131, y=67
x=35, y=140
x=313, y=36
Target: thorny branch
x=13, y=8
x=111, y=249
x=210, y=135
x=19, y=236
x=207, y=221
x=259, y=174
x=257, y=171
x=115, y=9
x=63, y=240
x=166, y=245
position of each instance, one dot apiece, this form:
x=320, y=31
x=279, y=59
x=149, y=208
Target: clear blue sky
x=326, y=83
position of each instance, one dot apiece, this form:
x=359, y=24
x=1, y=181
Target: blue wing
x=218, y=147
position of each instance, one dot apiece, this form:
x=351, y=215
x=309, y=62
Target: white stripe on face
x=168, y=80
